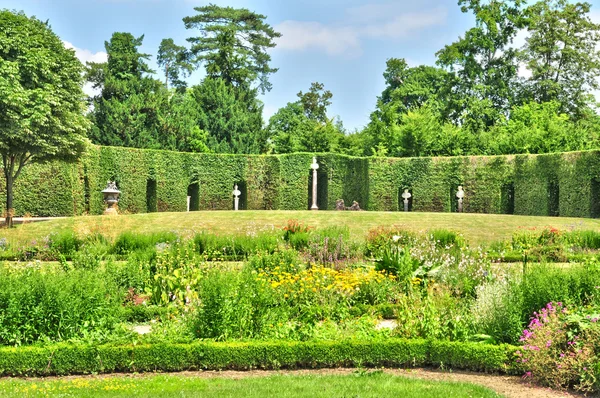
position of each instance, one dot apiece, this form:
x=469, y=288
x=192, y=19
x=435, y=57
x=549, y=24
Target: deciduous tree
x=41, y=98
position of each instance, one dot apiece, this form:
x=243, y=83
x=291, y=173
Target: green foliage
x=128, y=242
x=37, y=306
x=234, y=44
x=550, y=184
x=65, y=243
x=446, y=238
x=233, y=306
x=546, y=283
x=73, y=359
x=237, y=247
x=561, y=54
x=303, y=126
x=135, y=110
x=174, y=60
x=41, y=98
x=232, y=116
x=497, y=311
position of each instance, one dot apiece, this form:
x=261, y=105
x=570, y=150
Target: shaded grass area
x=477, y=228
x=360, y=384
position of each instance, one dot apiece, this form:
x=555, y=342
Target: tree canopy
x=41, y=98
x=233, y=44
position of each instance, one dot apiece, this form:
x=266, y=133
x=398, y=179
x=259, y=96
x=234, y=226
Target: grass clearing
x=476, y=228
x=360, y=384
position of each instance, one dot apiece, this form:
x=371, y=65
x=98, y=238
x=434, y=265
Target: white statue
x=460, y=195
x=236, y=194
x=406, y=196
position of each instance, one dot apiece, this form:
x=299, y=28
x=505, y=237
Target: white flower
x=395, y=238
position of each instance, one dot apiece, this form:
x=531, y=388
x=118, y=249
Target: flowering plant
x=560, y=349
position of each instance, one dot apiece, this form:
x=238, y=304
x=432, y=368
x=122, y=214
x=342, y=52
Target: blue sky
x=341, y=43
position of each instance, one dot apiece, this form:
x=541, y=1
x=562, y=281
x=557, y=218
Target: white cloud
x=333, y=40
x=86, y=55
x=375, y=21
x=403, y=26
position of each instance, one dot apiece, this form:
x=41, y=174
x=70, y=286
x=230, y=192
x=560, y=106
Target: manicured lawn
x=477, y=228
x=360, y=385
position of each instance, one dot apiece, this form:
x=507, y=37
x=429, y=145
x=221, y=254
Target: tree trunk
x=9, y=162
x=9, y=200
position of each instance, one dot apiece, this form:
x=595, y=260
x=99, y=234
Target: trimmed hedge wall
x=63, y=359
x=565, y=184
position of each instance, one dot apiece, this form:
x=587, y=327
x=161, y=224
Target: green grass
x=362, y=385
x=477, y=228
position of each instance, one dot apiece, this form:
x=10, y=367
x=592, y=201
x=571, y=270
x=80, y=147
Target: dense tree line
x=474, y=101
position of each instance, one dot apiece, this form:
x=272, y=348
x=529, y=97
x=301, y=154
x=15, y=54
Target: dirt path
x=508, y=386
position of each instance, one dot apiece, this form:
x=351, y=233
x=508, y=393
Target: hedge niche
x=565, y=184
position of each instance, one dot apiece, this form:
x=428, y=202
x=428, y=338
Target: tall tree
x=316, y=101
x=233, y=44
x=231, y=117
x=485, y=61
x=174, y=62
x=562, y=54
x=136, y=110
x=303, y=126
x=41, y=98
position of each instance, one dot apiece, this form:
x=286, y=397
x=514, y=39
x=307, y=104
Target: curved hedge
x=65, y=359
x=565, y=184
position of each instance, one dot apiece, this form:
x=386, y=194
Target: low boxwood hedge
x=66, y=359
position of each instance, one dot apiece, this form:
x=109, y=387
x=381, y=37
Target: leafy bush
x=294, y=227
x=284, y=260
x=233, y=247
x=583, y=239
x=446, y=238
x=561, y=349
x=63, y=359
x=234, y=306
x=176, y=278
x=37, y=305
x=437, y=315
x=381, y=237
x=128, y=242
x=65, y=242
x=497, y=310
x=545, y=283
x=397, y=261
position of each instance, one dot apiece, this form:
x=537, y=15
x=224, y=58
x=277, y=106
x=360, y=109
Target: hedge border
x=565, y=184
x=66, y=359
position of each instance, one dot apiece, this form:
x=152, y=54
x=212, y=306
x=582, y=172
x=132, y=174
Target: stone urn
x=111, y=198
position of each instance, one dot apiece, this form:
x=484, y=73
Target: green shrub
x=561, y=348
x=236, y=247
x=137, y=272
x=37, y=305
x=294, y=227
x=128, y=242
x=381, y=237
x=583, y=239
x=397, y=261
x=234, y=306
x=63, y=359
x=497, y=311
x=546, y=283
x=446, y=238
x=65, y=242
x=286, y=260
